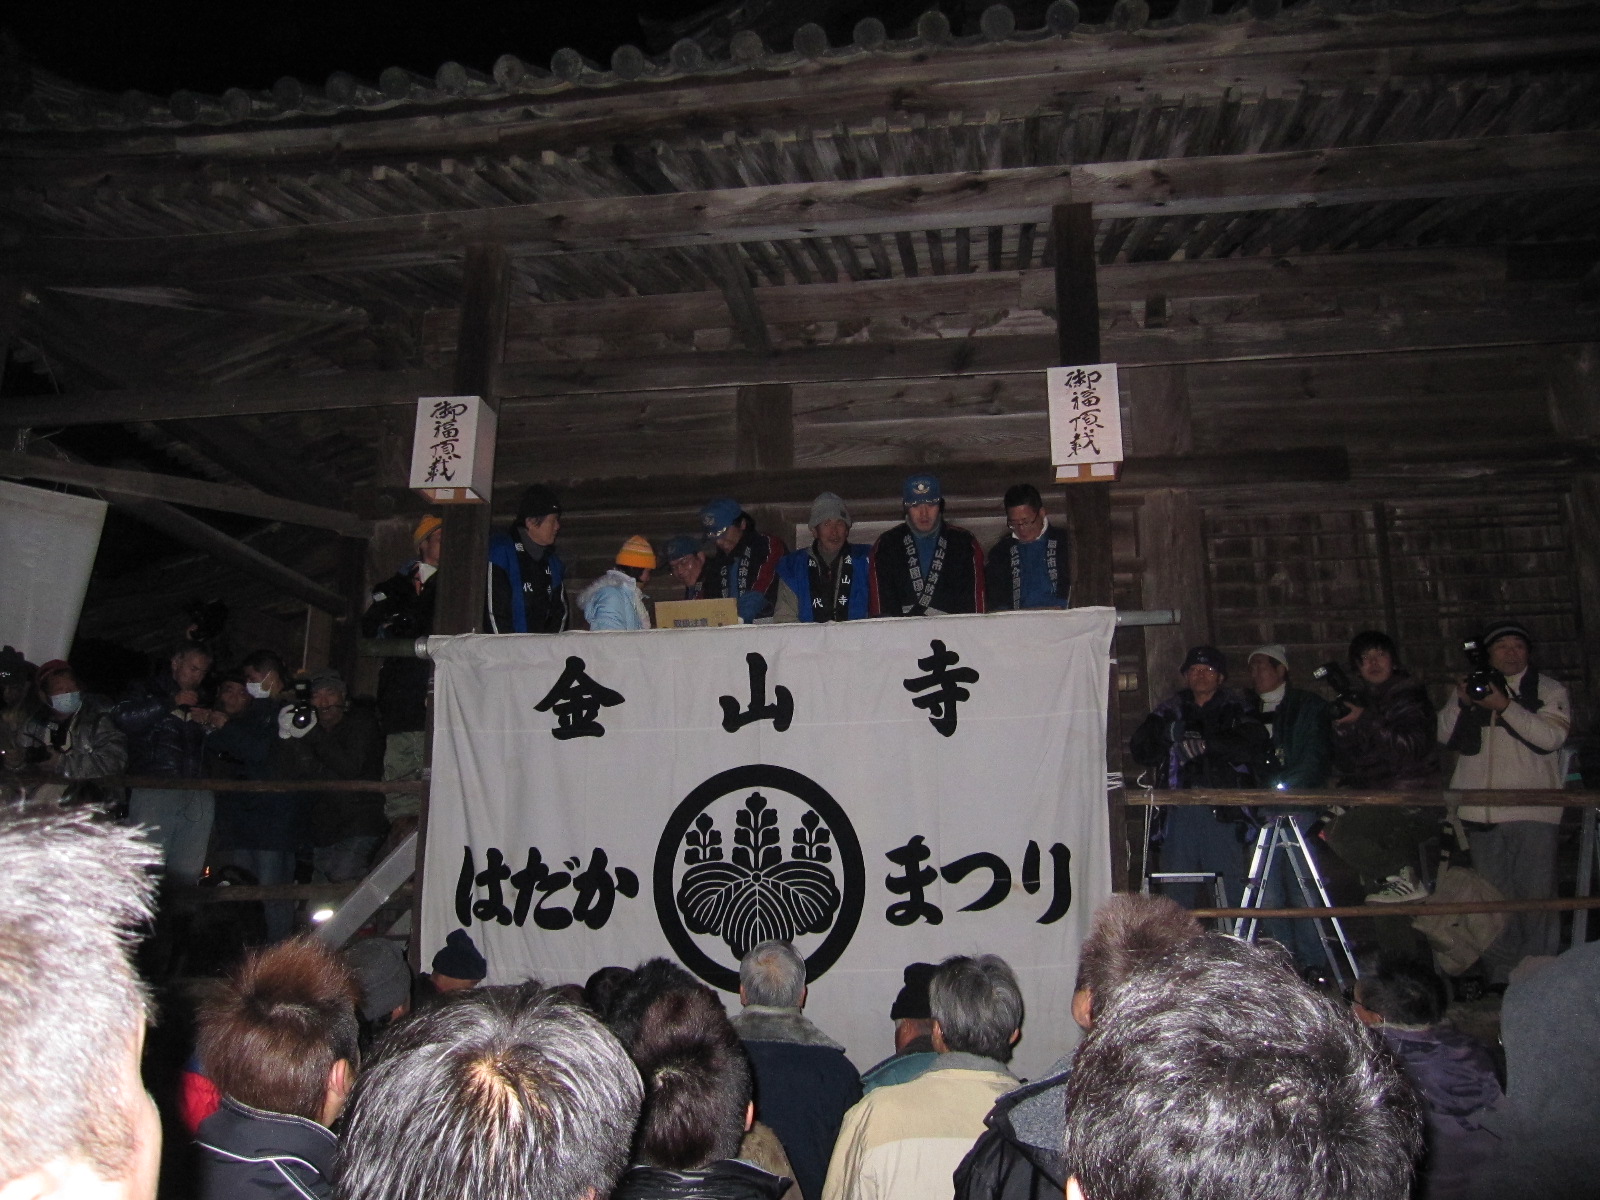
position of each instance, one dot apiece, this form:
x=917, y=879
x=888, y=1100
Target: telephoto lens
x=304, y=714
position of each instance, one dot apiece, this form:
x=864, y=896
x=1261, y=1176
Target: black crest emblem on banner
x=755, y=853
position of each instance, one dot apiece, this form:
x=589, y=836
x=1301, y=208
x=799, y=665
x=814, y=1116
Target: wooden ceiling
x=255, y=285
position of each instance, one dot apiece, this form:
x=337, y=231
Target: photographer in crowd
x=1507, y=723
x=72, y=735
x=1206, y=735
x=1383, y=740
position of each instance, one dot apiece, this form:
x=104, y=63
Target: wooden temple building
x=1346, y=253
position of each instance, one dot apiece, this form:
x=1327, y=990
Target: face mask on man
x=67, y=703
x=259, y=690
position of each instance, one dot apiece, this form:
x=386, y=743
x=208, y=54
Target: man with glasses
x=1029, y=567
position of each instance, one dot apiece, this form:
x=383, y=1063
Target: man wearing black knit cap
x=913, y=1032
x=1511, y=738
x=456, y=967
x=525, y=572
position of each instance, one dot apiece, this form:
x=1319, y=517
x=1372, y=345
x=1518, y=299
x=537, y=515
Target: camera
x=1484, y=679
x=1344, y=695
x=303, y=714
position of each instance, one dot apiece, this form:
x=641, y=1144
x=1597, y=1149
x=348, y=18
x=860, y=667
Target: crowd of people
x=1505, y=726
x=191, y=721
x=1207, y=1068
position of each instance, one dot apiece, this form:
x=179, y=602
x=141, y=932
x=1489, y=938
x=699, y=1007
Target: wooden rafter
x=1294, y=179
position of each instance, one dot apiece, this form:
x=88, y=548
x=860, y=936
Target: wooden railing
x=1448, y=798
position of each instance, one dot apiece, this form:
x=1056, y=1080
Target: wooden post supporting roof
x=1088, y=505
x=464, y=555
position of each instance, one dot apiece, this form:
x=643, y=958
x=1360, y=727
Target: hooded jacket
x=614, y=602
x=1018, y=1157
x=249, y=1154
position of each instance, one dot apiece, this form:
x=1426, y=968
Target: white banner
x=880, y=792
x=48, y=541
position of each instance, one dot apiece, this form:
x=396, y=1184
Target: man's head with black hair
x=696, y=1081
x=1399, y=991
x=1128, y=931
x=1216, y=1072
x=631, y=996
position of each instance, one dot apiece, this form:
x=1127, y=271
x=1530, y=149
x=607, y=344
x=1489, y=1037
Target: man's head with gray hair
x=772, y=974
x=74, y=1116
x=490, y=1093
x=977, y=1006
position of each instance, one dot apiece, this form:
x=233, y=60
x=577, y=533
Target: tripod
x=1283, y=837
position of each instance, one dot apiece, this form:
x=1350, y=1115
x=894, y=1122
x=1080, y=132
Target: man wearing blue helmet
x=923, y=566
x=744, y=562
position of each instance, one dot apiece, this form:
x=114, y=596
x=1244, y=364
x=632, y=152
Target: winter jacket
x=1454, y=1076
x=748, y=576
x=398, y=610
x=1003, y=570
x=249, y=1154
x=727, y=1179
x=804, y=1085
x=247, y=748
x=1392, y=744
x=161, y=740
x=525, y=589
x=1516, y=748
x=958, y=583
x=1302, y=745
x=614, y=602
x=1237, y=753
x=800, y=571
x=89, y=742
x=905, y=1142
x=1018, y=1156
x=352, y=749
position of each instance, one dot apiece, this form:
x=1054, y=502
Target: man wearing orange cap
x=402, y=607
x=614, y=601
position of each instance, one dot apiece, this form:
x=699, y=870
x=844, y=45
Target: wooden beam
x=1241, y=341
x=295, y=393
x=195, y=493
x=192, y=531
x=683, y=313
x=727, y=269
x=465, y=552
x=801, y=485
x=840, y=208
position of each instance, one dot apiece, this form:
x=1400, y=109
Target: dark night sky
x=207, y=46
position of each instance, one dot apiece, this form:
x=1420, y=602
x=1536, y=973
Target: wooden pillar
x=1574, y=395
x=351, y=583
x=1088, y=505
x=464, y=555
